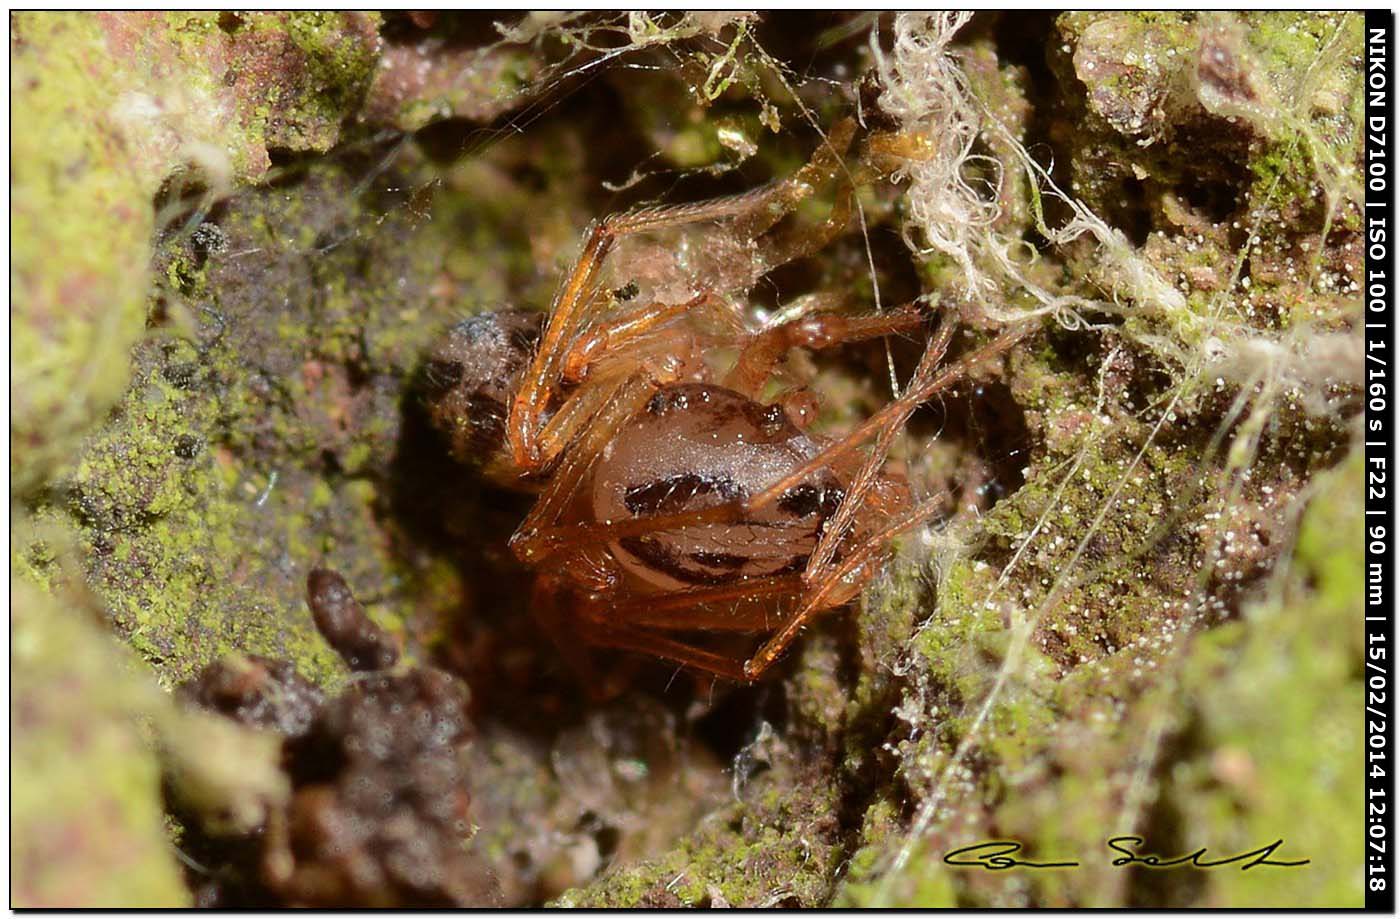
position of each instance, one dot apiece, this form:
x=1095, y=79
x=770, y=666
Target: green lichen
x=1253, y=776
x=101, y=138
x=775, y=853
x=197, y=487
x=339, y=63
x=80, y=242
x=1100, y=650
x=86, y=828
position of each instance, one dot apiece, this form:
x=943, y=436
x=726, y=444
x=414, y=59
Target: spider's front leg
x=578, y=303
x=544, y=535
x=828, y=581
x=578, y=613
x=579, y=300
x=763, y=351
x=529, y=409
x=628, y=341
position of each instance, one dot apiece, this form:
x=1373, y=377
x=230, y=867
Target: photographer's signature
x=998, y=855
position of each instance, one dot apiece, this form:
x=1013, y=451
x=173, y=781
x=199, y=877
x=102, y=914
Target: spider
x=672, y=498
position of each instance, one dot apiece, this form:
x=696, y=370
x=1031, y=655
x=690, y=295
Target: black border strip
x=1379, y=762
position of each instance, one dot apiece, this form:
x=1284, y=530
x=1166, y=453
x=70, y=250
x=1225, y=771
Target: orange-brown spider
x=672, y=498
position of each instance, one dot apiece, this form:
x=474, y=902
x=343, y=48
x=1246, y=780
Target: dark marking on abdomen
x=702, y=569
x=806, y=499
x=673, y=494
x=722, y=560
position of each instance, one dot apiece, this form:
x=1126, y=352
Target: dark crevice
x=1216, y=201
x=454, y=29
x=1157, y=889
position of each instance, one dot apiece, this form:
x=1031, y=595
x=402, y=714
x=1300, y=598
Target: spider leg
x=572, y=299
x=858, y=486
x=762, y=352
x=790, y=244
x=593, y=431
x=825, y=577
x=749, y=607
x=652, y=356
x=654, y=349
x=924, y=385
x=577, y=300
x=631, y=624
x=657, y=358
x=779, y=248
x=631, y=638
x=783, y=196
x=539, y=538
x=839, y=584
x=574, y=416
x=609, y=337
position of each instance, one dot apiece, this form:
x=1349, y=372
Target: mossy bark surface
x=238, y=237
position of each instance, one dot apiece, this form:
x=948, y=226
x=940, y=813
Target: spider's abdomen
x=471, y=377
x=695, y=446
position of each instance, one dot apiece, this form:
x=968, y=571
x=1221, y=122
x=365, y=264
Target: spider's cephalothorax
x=676, y=496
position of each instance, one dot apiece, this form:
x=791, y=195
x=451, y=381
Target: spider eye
x=773, y=420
